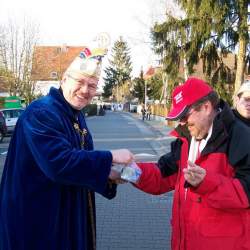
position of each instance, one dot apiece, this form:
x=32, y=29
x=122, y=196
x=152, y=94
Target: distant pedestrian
x=242, y=103
x=143, y=112
x=148, y=112
x=209, y=169
x=101, y=111
x=51, y=173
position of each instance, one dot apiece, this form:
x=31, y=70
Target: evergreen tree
x=139, y=88
x=120, y=67
x=155, y=86
x=110, y=81
x=210, y=30
x=107, y=90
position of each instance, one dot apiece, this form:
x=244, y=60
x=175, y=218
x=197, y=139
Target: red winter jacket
x=216, y=214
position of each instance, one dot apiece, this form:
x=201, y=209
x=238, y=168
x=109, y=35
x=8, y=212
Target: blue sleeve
x=58, y=159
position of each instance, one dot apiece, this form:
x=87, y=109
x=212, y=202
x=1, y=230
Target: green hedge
x=90, y=110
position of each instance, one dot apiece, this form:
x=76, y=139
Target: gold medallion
x=82, y=132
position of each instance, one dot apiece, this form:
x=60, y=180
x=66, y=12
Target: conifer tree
x=155, y=86
x=210, y=30
x=139, y=87
x=119, y=69
x=110, y=81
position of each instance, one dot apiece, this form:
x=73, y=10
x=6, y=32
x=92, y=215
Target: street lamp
x=146, y=94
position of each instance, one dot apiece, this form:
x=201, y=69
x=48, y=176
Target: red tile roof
x=48, y=59
x=150, y=72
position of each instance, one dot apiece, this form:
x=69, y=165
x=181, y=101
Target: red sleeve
x=151, y=180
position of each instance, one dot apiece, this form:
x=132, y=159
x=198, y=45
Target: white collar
x=198, y=146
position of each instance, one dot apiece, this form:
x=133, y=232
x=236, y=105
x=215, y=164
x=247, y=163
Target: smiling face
x=78, y=90
x=243, y=104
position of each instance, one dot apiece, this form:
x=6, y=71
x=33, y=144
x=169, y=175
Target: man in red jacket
x=209, y=169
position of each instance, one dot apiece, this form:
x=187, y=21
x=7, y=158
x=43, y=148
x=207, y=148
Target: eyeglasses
x=91, y=83
x=246, y=99
x=190, y=111
x=185, y=117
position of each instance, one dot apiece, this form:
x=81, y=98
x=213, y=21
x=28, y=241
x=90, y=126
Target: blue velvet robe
x=44, y=202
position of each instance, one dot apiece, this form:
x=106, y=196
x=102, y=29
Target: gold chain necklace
x=82, y=133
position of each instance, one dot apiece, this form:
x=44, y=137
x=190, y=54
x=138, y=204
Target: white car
x=11, y=116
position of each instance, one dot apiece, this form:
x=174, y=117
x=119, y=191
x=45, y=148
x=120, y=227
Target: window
x=53, y=75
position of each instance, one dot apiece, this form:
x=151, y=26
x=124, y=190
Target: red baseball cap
x=187, y=94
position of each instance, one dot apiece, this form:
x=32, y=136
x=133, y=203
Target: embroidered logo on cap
x=178, y=98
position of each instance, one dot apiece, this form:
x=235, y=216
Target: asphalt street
x=133, y=220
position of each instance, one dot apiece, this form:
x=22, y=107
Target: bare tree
x=16, y=51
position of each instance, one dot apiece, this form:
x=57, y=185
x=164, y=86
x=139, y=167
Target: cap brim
x=177, y=114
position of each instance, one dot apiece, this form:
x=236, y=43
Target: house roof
x=150, y=72
x=50, y=62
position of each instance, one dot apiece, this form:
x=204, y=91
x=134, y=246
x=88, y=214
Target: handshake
x=124, y=168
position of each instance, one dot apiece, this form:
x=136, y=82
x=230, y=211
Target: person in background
x=143, y=112
x=242, y=103
x=148, y=112
x=208, y=168
x=51, y=171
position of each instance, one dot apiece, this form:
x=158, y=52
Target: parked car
x=133, y=107
x=11, y=116
x=3, y=128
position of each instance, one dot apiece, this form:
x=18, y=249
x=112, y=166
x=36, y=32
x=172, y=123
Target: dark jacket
x=241, y=118
x=216, y=214
x=48, y=184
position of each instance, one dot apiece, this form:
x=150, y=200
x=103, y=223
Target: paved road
x=133, y=220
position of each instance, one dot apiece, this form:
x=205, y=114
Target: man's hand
x=122, y=156
x=194, y=174
x=115, y=177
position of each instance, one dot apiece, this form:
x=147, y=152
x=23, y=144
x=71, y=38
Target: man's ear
x=208, y=106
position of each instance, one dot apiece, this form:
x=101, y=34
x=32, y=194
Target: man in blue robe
x=51, y=171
